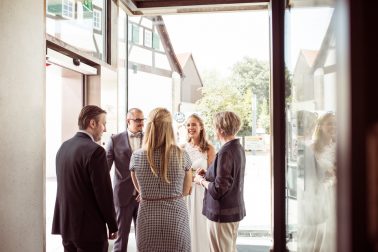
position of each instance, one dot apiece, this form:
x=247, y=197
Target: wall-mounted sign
x=179, y=117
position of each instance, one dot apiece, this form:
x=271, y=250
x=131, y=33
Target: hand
x=137, y=198
x=201, y=172
x=113, y=236
x=198, y=178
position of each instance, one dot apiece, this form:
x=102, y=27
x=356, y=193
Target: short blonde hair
x=227, y=122
x=159, y=135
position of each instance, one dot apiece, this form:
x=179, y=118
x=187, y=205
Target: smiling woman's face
x=193, y=127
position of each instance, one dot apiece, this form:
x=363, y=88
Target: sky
x=219, y=40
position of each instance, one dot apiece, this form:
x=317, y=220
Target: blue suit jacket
x=84, y=200
x=119, y=152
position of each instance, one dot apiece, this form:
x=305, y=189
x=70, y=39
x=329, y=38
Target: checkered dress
x=162, y=225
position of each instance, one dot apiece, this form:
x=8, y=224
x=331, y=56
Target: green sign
x=88, y=4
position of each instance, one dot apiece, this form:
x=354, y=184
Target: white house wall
x=330, y=92
x=141, y=56
x=161, y=61
x=191, y=84
x=148, y=91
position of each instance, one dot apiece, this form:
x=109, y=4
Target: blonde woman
x=223, y=204
x=202, y=154
x=316, y=225
x=161, y=174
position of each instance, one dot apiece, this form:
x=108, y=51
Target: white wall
x=148, y=91
x=22, y=138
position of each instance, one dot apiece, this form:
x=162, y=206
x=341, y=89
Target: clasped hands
x=113, y=236
x=199, y=175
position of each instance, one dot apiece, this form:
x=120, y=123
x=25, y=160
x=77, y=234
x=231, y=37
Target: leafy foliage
x=220, y=96
x=249, y=78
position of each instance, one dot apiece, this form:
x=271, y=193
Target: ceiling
x=157, y=7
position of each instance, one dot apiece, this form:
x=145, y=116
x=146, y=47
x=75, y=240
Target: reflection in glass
x=311, y=143
x=80, y=24
x=317, y=196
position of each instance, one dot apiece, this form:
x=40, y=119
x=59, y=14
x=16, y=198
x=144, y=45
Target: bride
x=202, y=154
x=316, y=230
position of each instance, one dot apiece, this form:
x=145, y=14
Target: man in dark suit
x=84, y=199
x=119, y=151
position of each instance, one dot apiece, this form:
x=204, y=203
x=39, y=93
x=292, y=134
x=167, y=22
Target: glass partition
x=205, y=63
x=64, y=100
x=310, y=127
x=79, y=23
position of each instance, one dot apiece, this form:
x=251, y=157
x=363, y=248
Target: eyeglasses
x=138, y=120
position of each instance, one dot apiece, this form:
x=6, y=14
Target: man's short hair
x=132, y=111
x=88, y=113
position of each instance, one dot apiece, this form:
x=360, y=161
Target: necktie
x=137, y=135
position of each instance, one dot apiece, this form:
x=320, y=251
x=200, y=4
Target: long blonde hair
x=159, y=135
x=319, y=137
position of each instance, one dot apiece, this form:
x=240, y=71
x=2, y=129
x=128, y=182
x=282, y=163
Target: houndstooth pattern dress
x=162, y=225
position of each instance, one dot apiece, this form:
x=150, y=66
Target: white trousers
x=222, y=236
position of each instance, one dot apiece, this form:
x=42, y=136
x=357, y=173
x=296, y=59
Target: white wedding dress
x=316, y=202
x=198, y=227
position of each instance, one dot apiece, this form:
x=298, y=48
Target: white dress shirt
x=135, y=141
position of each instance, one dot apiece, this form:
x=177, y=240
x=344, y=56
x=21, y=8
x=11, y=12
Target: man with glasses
x=119, y=150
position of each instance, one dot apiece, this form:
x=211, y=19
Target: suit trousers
x=70, y=246
x=222, y=236
x=125, y=215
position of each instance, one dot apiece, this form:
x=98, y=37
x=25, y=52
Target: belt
x=163, y=198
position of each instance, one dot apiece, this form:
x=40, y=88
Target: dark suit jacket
x=224, y=198
x=84, y=199
x=119, y=151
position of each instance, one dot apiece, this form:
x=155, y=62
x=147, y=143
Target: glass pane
x=80, y=24
x=311, y=133
x=122, y=42
x=64, y=100
x=205, y=63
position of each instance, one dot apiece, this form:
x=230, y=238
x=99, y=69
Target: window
x=147, y=38
x=310, y=129
x=156, y=41
x=129, y=31
x=68, y=9
x=82, y=25
x=135, y=34
x=97, y=20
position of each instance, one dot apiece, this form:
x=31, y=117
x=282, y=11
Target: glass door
x=310, y=61
x=203, y=64
x=64, y=100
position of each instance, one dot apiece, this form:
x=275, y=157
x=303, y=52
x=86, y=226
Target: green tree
x=252, y=74
x=248, y=77
x=219, y=95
